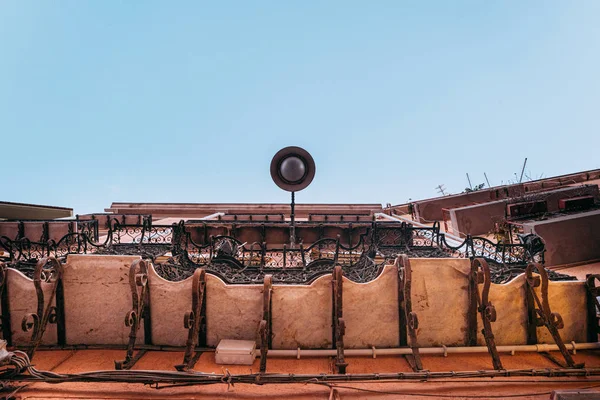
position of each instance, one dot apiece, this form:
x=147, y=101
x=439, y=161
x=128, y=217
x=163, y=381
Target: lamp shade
x=293, y=168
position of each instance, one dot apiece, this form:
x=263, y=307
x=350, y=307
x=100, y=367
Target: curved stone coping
x=302, y=315
x=232, y=311
x=510, y=302
x=371, y=311
x=569, y=299
x=169, y=301
x=440, y=298
x=97, y=299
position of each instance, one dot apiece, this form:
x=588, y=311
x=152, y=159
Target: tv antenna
x=441, y=189
x=522, y=170
x=486, y=179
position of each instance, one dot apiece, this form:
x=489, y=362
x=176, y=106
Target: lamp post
x=293, y=169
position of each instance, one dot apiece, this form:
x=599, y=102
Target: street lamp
x=293, y=169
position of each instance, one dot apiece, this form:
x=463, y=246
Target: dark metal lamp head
x=293, y=169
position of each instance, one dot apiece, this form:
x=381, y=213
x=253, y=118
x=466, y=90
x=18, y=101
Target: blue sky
x=104, y=101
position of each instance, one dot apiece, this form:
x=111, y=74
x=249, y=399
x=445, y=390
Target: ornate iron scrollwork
x=193, y=320
x=46, y=312
x=540, y=314
x=339, y=325
x=480, y=274
x=5, y=317
x=264, y=328
x=138, y=283
x=593, y=306
x=408, y=318
x=238, y=262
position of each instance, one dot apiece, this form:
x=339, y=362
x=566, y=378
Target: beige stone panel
x=371, y=311
x=510, y=302
x=97, y=299
x=169, y=301
x=569, y=299
x=23, y=300
x=301, y=315
x=232, y=311
x=440, y=298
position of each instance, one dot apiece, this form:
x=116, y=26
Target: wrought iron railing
x=89, y=228
x=500, y=253
x=382, y=241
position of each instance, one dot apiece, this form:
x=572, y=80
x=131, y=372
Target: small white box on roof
x=240, y=352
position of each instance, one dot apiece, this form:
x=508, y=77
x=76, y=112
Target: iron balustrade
x=243, y=262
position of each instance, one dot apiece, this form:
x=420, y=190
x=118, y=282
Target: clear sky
x=174, y=101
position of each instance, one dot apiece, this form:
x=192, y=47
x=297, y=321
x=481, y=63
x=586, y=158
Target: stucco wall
x=97, y=298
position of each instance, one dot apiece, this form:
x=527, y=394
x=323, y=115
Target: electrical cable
x=442, y=395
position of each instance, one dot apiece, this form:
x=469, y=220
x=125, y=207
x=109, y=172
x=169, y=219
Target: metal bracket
x=551, y=358
x=264, y=329
x=5, y=318
x=337, y=250
x=45, y=313
x=192, y=321
x=593, y=306
x=408, y=319
x=138, y=283
x=339, y=325
x=480, y=274
x=539, y=312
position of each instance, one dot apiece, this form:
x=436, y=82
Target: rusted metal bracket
x=264, y=329
x=480, y=274
x=5, y=317
x=548, y=356
x=540, y=314
x=337, y=250
x=408, y=319
x=46, y=312
x=593, y=306
x=339, y=325
x=192, y=321
x=138, y=283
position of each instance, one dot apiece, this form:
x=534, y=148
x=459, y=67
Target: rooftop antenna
x=523, y=170
x=469, y=179
x=486, y=179
x=441, y=189
x=293, y=169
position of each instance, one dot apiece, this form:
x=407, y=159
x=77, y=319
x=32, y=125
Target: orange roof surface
x=73, y=361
